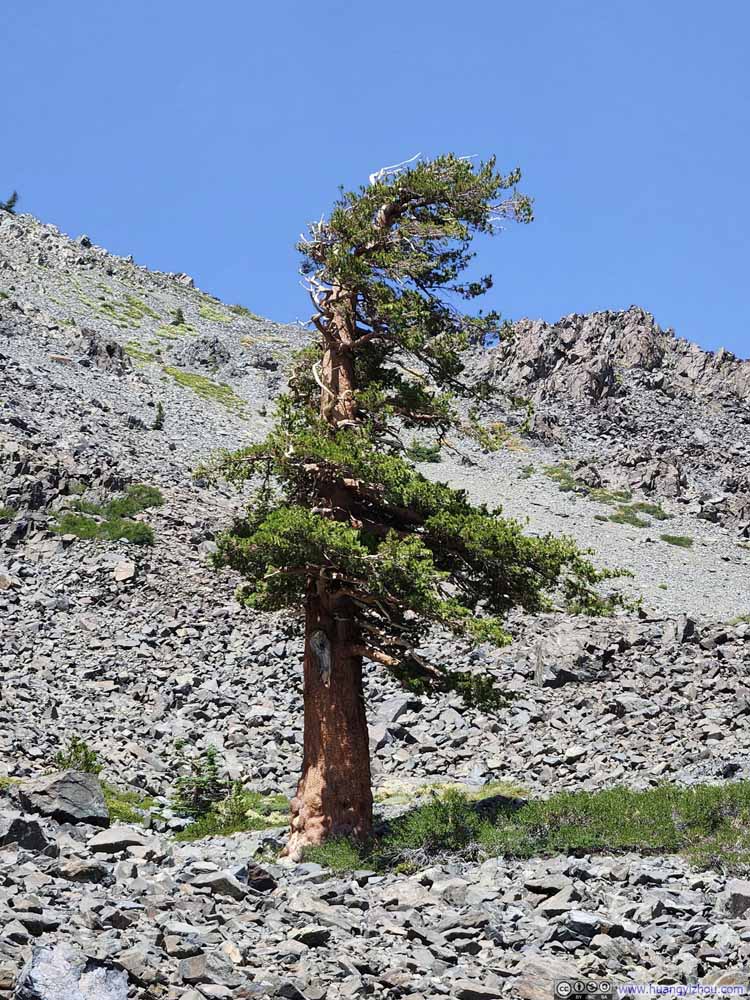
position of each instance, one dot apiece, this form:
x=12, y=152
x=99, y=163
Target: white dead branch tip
x=384, y=172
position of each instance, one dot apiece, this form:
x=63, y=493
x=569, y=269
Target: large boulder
x=568, y=654
x=63, y=973
x=66, y=796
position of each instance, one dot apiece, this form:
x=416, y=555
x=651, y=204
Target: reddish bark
x=334, y=795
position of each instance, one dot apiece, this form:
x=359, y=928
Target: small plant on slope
x=203, y=786
x=78, y=756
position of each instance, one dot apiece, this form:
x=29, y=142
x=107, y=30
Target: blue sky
x=202, y=137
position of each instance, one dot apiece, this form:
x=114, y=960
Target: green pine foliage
x=78, y=756
x=10, y=204
x=339, y=502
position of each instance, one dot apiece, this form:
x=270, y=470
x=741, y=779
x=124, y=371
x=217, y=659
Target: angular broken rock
x=27, y=833
x=738, y=896
x=63, y=973
x=116, y=839
x=68, y=797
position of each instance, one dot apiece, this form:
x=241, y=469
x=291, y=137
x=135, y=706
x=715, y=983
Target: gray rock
x=116, y=839
x=64, y=973
x=67, y=796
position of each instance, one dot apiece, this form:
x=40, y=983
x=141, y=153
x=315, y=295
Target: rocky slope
x=135, y=647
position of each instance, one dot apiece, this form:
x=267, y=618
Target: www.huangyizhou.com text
x=681, y=990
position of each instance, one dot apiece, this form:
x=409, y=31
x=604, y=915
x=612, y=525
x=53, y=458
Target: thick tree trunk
x=337, y=401
x=334, y=795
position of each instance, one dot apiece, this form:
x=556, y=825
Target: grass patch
x=173, y=331
x=420, y=451
x=113, y=530
x=7, y=513
x=626, y=515
x=682, y=541
x=217, y=392
x=239, y=310
x=740, y=620
x=137, y=353
x=112, y=521
x=241, y=811
x=652, y=509
x=124, y=806
x=212, y=314
x=527, y=472
x=563, y=476
x=612, y=497
x=136, y=310
x=708, y=823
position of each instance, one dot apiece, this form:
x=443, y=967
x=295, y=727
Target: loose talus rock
x=63, y=973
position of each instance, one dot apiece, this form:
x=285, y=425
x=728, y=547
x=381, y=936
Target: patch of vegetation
x=8, y=782
x=10, y=204
x=740, y=620
x=112, y=521
x=709, y=823
x=136, y=310
x=626, y=515
x=158, y=423
x=125, y=806
x=420, y=451
x=203, y=786
x=78, y=756
x=217, y=809
x=652, y=509
x=527, y=471
x=492, y=437
x=137, y=353
x=7, y=513
x=239, y=310
x=217, y=392
x=212, y=314
x=173, y=331
x=683, y=541
x=4, y=295
x=241, y=811
x=663, y=586
x=602, y=495
x=562, y=474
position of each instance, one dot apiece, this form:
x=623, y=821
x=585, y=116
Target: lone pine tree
x=341, y=524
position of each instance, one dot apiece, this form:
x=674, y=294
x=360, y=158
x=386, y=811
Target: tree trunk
x=334, y=795
x=337, y=401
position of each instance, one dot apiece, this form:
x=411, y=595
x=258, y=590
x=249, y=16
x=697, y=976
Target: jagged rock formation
x=133, y=647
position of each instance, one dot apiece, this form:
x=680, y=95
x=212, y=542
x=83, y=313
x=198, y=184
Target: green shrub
x=709, y=823
x=10, y=204
x=7, y=513
x=419, y=451
x=239, y=811
x=158, y=423
x=683, y=541
x=652, y=509
x=527, y=472
x=113, y=529
x=124, y=806
x=78, y=756
x=203, y=786
x=179, y=318
x=626, y=515
x=115, y=523
x=136, y=499
x=239, y=310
